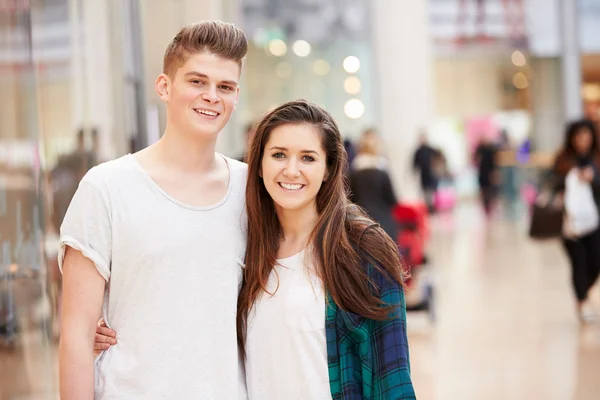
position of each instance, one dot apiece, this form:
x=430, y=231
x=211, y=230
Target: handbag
x=445, y=197
x=547, y=217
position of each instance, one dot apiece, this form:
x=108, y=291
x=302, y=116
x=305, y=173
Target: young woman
x=321, y=310
x=581, y=151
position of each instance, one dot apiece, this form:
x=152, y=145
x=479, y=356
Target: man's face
x=202, y=95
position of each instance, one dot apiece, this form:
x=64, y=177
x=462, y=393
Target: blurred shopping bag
x=445, y=197
x=528, y=194
x=546, y=216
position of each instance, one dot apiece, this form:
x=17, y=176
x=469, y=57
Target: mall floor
x=505, y=326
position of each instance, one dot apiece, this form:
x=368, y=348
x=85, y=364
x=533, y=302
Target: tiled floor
x=505, y=326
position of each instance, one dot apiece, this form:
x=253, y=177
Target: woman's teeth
x=290, y=186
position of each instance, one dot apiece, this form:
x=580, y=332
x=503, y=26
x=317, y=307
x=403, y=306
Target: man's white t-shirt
x=286, y=347
x=173, y=273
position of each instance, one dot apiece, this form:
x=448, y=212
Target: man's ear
x=163, y=87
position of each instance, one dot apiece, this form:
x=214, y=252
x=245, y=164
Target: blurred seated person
x=370, y=184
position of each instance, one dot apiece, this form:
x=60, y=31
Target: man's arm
x=83, y=292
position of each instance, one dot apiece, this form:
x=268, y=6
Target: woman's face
x=294, y=166
x=582, y=142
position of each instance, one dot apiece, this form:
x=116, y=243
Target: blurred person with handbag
x=576, y=169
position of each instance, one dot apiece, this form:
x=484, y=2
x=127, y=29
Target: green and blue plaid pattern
x=369, y=359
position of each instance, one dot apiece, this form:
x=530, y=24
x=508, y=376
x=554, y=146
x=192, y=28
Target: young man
x=154, y=243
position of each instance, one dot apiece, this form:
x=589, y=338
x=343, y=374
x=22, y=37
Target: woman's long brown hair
x=567, y=156
x=343, y=240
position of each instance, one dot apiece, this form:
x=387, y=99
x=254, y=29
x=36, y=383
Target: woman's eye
x=278, y=155
x=308, y=158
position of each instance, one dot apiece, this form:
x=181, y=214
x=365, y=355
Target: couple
x=225, y=280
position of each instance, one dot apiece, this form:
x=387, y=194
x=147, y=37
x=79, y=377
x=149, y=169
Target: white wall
x=467, y=87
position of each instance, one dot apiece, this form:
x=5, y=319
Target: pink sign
x=479, y=127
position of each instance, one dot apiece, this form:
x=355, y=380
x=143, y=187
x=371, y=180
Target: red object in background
x=413, y=231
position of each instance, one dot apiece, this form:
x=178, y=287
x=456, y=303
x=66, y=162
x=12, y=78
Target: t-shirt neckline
x=172, y=199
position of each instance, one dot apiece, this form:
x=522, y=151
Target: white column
x=403, y=73
x=91, y=70
x=547, y=104
x=78, y=100
x=571, y=61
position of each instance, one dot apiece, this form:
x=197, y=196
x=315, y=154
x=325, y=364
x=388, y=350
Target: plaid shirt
x=369, y=359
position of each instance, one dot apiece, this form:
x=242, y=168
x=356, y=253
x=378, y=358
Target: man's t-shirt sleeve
x=87, y=228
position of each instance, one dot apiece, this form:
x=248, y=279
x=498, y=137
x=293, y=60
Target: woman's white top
x=286, y=345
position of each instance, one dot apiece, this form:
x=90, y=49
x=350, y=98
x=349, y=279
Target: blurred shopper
x=371, y=186
x=350, y=151
x=93, y=156
x=581, y=155
x=488, y=173
x=441, y=170
x=66, y=175
x=78, y=159
x=154, y=242
x=248, y=131
x=507, y=160
x=445, y=193
x=320, y=276
x=424, y=163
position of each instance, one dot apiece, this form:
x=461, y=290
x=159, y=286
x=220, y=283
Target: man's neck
x=186, y=152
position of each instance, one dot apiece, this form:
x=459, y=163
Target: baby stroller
x=413, y=234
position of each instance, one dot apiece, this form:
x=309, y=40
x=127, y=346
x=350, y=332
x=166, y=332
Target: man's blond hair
x=213, y=37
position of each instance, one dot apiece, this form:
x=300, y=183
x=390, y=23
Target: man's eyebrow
x=204, y=76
